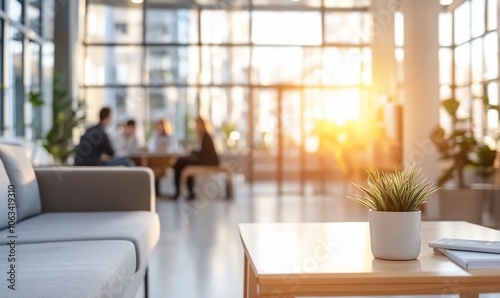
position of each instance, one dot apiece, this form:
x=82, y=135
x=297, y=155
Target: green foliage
x=228, y=128
x=400, y=191
x=485, y=160
x=486, y=156
x=35, y=98
x=37, y=102
x=66, y=116
x=457, y=146
x=451, y=106
x=488, y=105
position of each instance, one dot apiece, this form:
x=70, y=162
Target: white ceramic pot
x=395, y=235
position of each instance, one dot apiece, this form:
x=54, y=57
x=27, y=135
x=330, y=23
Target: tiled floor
x=200, y=255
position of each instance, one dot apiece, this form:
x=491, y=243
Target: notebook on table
x=467, y=245
x=472, y=259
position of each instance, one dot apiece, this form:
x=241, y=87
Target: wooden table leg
x=250, y=281
x=245, y=278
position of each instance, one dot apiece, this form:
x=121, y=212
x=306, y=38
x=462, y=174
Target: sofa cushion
x=22, y=176
x=4, y=198
x=70, y=269
x=140, y=227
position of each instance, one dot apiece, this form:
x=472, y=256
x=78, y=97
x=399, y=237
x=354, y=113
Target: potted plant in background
x=486, y=155
x=393, y=200
x=66, y=116
x=460, y=151
x=456, y=147
x=37, y=102
x=485, y=162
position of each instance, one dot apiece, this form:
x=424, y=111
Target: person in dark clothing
x=204, y=155
x=95, y=148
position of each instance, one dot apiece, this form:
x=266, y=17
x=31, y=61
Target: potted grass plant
x=394, y=200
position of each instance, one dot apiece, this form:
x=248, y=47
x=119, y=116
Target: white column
x=66, y=44
x=382, y=46
x=384, y=82
x=421, y=88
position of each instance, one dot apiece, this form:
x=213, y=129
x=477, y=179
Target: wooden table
x=334, y=259
x=158, y=162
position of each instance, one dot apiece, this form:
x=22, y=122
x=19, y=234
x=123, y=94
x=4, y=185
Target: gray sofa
x=79, y=232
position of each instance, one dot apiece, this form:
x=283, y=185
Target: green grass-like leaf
x=400, y=191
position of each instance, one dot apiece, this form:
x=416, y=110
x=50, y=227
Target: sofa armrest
x=87, y=189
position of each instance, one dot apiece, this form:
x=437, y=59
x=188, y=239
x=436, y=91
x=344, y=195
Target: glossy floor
x=200, y=255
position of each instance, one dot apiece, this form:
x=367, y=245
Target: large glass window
x=47, y=73
x=271, y=65
x=21, y=71
x=34, y=15
x=221, y=26
x=171, y=64
x=491, y=56
x=293, y=28
x=171, y=26
x=492, y=13
x=16, y=75
x=462, y=27
x=348, y=27
x=225, y=65
x=472, y=76
x=445, y=29
x=347, y=59
x=121, y=23
x=477, y=17
x=462, y=65
x=447, y=69
x=113, y=65
x=47, y=14
x=445, y=66
x=245, y=67
x=347, y=3
x=34, y=79
x=15, y=10
x=34, y=85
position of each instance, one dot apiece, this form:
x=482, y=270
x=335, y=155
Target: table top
x=342, y=251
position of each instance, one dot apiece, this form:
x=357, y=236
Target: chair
x=209, y=170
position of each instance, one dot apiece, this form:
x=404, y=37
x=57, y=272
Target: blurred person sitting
x=125, y=143
x=204, y=155
x=162, y=140
x=95, y=148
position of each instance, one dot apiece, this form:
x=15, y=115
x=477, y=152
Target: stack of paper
x=470, y=254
